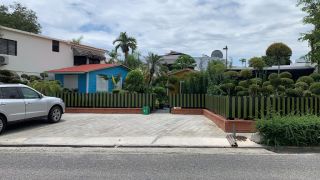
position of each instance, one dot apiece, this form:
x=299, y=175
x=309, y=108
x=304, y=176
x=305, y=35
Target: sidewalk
x=97, y=130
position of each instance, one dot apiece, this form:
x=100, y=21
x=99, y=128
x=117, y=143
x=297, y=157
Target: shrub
x=257, y=81
x=266, y=83
x=243, y=93
x=161, y=94
x=134, y=81
x=46, y=87
x=245, y=73
x=244, y=84
x=267, y=90
x=254, y=89
x=315, y=88
x=296, y=92
x=306, y=79
x=272, y=76
x=286, y=82
x=231, y=74
x=307, y=93
x=285, y=75
x=240, y=88
x=315, y=76
x=290, y=130
x=302, y=85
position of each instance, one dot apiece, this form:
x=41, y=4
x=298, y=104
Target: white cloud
x=192, y=26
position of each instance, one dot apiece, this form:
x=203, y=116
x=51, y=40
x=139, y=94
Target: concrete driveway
x=106, y=130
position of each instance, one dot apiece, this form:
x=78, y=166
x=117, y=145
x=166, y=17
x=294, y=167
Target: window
x=8, y=47
x=55, y=46
x=102, y=84
x=10, y=93
x=29, y=93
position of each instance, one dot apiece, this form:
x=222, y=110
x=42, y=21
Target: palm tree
x=243, y=61
x=77, y=40
x=154, y=65
x=113, y=57
x=125, y=43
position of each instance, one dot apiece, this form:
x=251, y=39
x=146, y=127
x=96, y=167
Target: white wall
x=35, y=55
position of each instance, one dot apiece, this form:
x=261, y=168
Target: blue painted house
x=91, y=78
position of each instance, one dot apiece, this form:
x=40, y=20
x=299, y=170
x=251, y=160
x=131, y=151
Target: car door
x=36, y=106
x=12, y=103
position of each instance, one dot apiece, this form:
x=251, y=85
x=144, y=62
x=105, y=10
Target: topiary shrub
x=315, y=76
x=290, y=130
x=267, y=90
x=231, y=74
x=285, y=75
x=240, y=88
x=307, y=93
x=286, y=82
x=306, y=79
x=296, y=92
x=254, y=89
x=245, y=73
x=266, y=83
x=257, y=81
x=243, y=93
x=315, y=88
x=302, y=85
x=244, y=84
x=272, y=76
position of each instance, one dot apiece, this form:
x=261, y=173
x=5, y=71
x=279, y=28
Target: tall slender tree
x=154, y=65
x=243, y=61
x=125, y=43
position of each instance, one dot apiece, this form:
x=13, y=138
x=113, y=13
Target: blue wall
x=59, y=77
x=82, y=83
x=109, y=72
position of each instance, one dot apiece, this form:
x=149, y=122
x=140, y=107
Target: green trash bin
x=146, y=110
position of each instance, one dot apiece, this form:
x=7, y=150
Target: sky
x=194, y=27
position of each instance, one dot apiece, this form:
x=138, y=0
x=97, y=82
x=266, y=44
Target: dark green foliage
x=315, y=88
x=244, y=84
x=183, y=62
x=17, y=16
x=290, y=130
x=266, y=83
x=245, y=73
x=285, y=75
x=243, y=93
x=228, y=88
x=161, y=94
x=231, y=74
x=273, y=76
x=307, y=93
x=306, y=79
x=7, y=76
x=302, y=85
x=316, y=77
x=135, y=82
x=196, y=83
x=257, y=81
x=287, y=82
x=133, y=61
x=296, y=92
x=267, y=90
x=215, y=90
x=254, y=89
x=46, y=87
x=240, y=88
x=125, y=43
x=279, y=54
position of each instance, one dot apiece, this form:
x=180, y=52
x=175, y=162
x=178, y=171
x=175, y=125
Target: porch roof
x=83, y=68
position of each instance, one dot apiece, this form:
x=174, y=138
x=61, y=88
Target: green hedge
x=290, y=130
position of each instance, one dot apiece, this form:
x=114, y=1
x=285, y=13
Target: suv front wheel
x=55, y=114
x=2, y=124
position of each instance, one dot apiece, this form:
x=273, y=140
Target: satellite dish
x=217, y=54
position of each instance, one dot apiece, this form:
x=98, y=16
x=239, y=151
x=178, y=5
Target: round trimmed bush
x=240, y=88
x=296, y=92
x=244, y=84
x=285, y=75
x=257, y=81
x=306, y=79
x=245, y=73
x=266, y=83
x=272, y=76
x=231, y=74
x=307, y=93
x=302, y=85
x=287, y=82
x=243, y=93
x=315, y=88
x=315, y=76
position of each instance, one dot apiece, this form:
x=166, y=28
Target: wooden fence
x=187, y=100
x=106, y=100
x=248, y=107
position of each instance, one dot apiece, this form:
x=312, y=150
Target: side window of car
x=10, y=93
x=29, y=93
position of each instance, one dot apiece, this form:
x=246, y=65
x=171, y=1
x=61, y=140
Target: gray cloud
x=193, y=26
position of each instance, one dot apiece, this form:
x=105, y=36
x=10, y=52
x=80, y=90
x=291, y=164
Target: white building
x=29, y=53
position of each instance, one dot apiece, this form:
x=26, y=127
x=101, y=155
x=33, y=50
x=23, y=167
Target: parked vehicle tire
x=55, y=114
x=3, y=124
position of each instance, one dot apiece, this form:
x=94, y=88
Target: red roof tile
x=83, y=68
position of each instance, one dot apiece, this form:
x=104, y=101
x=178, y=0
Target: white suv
x=20, y=102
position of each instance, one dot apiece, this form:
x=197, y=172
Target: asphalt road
x=38, y=164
